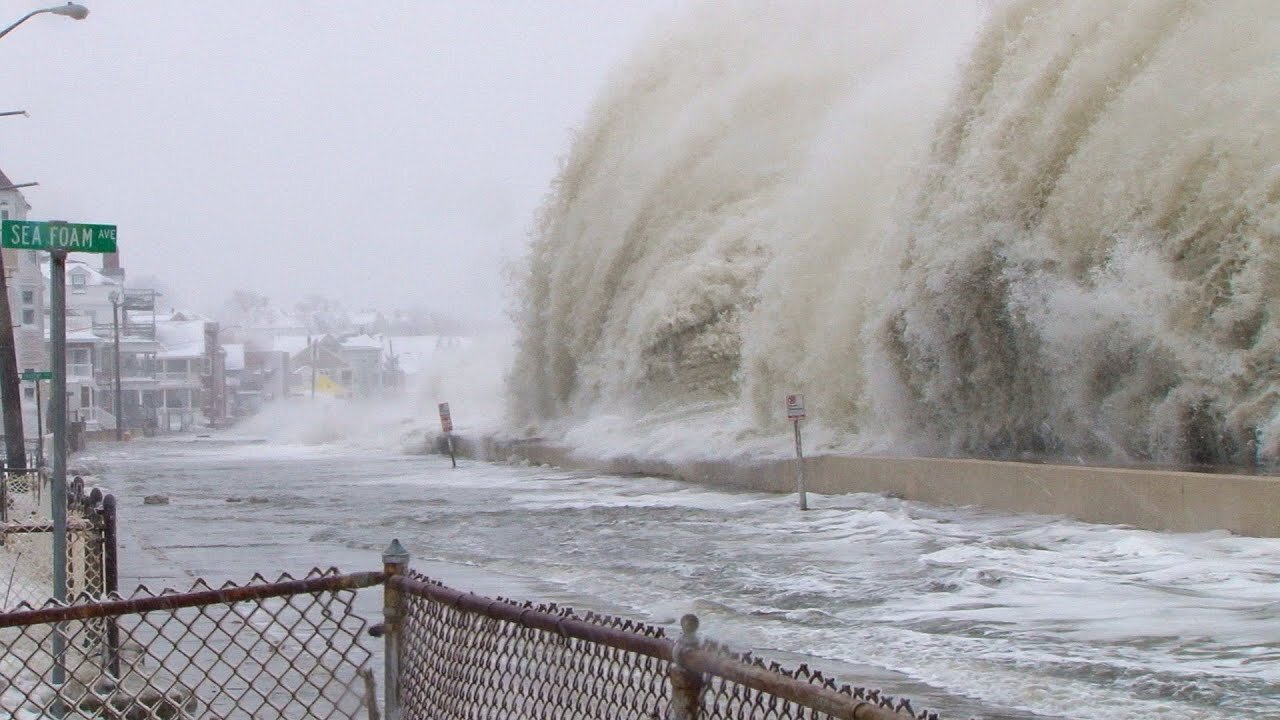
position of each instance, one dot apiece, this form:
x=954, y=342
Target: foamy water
x=1037, y=228
x=968, y=611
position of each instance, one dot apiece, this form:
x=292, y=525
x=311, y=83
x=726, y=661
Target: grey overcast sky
x=382, y=152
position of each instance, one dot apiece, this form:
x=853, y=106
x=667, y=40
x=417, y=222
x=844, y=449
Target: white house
x=26, y=302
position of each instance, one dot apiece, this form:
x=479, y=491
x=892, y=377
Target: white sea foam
x=1042, y=614
x=468, y=374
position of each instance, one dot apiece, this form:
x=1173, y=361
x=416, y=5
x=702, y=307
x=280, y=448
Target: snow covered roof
x=92, y=276
x=363, y=341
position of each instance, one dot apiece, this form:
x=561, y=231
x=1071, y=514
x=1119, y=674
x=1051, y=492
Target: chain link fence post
x=111, y=580
x=395, y=561
x=95, y=580
x=686, y=684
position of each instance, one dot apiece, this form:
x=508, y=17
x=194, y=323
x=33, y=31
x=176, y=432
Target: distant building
x=363, y=355
x=171, y=364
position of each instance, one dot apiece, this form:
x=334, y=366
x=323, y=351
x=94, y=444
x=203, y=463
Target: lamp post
x=71, y=10
x=118, y=403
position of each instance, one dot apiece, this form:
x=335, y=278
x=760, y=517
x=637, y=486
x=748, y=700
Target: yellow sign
x=325, y=384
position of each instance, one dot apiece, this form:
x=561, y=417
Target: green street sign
x=72, y=237
x=37, y=374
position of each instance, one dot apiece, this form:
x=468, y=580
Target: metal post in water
x=804, y=501
x=58, y=418
x=395, y=561
x=686, y=684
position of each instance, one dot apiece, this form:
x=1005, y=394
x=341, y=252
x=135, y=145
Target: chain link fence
x=283, y=649
x=295, y=648
x=455, y=655
x=26, y=537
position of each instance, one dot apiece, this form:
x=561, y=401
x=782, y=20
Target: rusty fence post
x=686, y=684
x=395, y=561
x=111, y=579
x=95, y=575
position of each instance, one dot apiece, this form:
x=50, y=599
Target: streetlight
x=115, y=364
x=71, y=10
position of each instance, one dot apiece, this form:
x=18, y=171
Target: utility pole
x=115, y=364
x=10, y=391
x=58, y=421
x=15, y=440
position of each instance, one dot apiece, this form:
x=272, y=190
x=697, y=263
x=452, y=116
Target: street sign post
x=36, y=376
x=58, y=237
x=795, y=413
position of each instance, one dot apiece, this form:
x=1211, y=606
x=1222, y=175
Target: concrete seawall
x=1148, y=499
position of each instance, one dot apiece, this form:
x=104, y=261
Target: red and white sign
x=446, y=421
x=795, y=407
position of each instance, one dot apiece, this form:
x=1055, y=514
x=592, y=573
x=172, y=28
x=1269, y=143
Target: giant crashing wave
x=1035, y=229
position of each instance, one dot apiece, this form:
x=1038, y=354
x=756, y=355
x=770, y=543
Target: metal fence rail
x=288, y=649
x=464, y=656
x=294, y=649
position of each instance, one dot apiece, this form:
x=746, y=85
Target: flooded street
x=1025, y=616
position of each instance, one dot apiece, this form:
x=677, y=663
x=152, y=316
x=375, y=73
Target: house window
x=28, y=297
x=86, y=396
x=29, y=393
x=28, y=316
x=78, y=281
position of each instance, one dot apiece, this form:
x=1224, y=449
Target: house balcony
x=106, y=378
x=80, y=370
x=179, y=377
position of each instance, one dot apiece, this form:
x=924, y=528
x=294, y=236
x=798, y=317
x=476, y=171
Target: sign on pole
x=54, y=235
x=32, y=375
x=795, y=407
x=446, y=425
x=59, y=238
x=446, y=421
x=795, y=413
